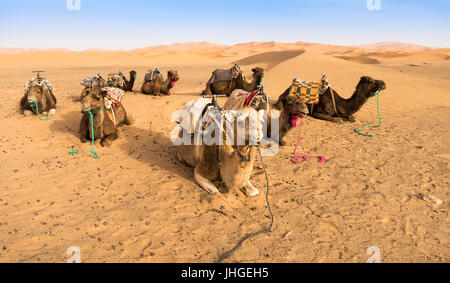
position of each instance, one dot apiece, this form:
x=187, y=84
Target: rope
x=302, y=159
x=33, y=105
x=94, y=154
x=252, y=235
x=379, y=118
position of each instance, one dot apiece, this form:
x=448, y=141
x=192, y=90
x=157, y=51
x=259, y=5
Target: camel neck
x=351, y=105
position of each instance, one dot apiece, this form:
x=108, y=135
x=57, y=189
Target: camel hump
x=152, y=75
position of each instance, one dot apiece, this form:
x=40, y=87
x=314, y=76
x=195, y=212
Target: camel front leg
x=107, y=141
x=203, y=182
x=250, y=190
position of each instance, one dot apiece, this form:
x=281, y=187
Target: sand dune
x=138, y=203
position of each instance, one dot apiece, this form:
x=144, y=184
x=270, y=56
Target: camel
x=233, y=164
x=38, y=91
x=120, y=81
x=106, y=121
x=158, y=87
x=333, y=108
x=129, y=84
x=240, y=82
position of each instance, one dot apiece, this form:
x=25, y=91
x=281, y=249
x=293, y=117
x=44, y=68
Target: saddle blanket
x=38, y=82
x=152, y=75
x=221, y=75
x=113, y=97
x=240, y=99
x=307, y=92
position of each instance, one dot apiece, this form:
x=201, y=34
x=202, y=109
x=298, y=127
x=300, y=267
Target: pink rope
x=302, y=159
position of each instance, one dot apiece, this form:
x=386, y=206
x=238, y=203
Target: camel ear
x=104, y=93
x=254, y=70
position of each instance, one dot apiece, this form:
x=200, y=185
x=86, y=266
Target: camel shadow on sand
x=67, y=123
x=154, y=149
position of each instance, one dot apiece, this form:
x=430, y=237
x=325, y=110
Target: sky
x=119, y=24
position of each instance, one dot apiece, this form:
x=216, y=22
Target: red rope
x=302, y=159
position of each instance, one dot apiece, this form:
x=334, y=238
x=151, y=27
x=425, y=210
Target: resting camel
x=332, y=107
x=106, y=122
x=129, y=84
x=158, y=87
x=38, y=92
x=233, y=164
x=240, y=82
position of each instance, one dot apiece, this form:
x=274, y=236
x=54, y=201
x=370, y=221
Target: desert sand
x=138, y=203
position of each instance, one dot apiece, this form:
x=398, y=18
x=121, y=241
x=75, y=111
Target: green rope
x=35, y=105
x=94, y=154
x=379, y=118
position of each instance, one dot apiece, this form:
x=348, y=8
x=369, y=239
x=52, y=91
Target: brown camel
x=40, y=93
x=158, y=87
x=233, y=164
x=240, y=82
x=106, y=121
x=129, y=84
x=332, y=107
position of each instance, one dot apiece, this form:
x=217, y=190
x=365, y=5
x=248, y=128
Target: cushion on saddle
x=152, y=75
x=39, y=82
x=221, y=75
x=307, y=92
x=113, y=97
x=92, y=81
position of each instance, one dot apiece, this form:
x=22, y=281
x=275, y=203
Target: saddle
x=92, y=81
x=152, y=75
x=116, y=80
x=38, y=82
x=240, y=99
x=113, y=97
x=221, y=75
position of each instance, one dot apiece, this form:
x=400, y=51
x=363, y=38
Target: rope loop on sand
x=302, y=159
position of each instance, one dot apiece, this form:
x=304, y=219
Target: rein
x=302, y=159
x=94, y=154
x=34, y=104
x=358, y=131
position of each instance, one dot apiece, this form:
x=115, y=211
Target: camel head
x=369, y=86
x=258, y=74
x=93, y=100
x=133, y=74
x=36, y=94
x=291, y=106
x=172, y=75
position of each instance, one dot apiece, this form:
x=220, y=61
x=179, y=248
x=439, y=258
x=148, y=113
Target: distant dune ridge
x=266, y=54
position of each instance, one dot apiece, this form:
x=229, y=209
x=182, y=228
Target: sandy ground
x=137, y=203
